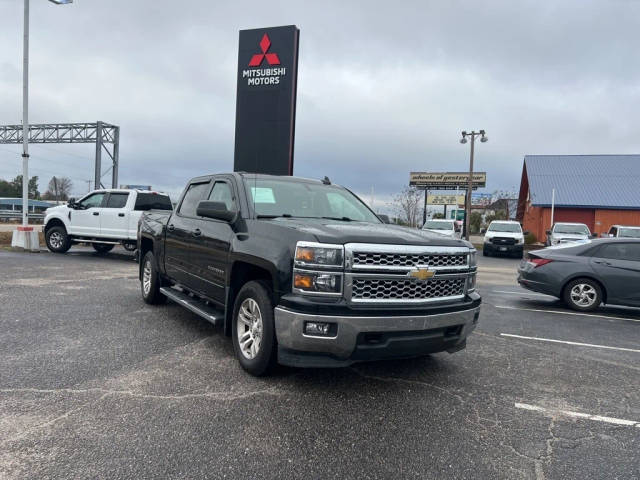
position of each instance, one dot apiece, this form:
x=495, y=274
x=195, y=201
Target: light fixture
x=484, y=139
x=463, y=140
x=61, y=2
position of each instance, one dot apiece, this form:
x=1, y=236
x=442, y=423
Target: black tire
x=130, y=247
x=582, y=294
x=102, y=247
x=485, y=253
x=57, y=240
x=264, y=359
x=151, y=293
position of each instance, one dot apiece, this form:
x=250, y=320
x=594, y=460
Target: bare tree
x=407, y=203
x=59, y=188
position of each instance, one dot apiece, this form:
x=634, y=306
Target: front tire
x=129, y=247
x=253, y=328
x=57, y=240
x=102, y=247
x=150, y=281
x=583, y=294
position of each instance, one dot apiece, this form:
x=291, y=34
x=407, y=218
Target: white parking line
x=570, y=343
x=567, y=313
x=585, y=416
x=524, y=292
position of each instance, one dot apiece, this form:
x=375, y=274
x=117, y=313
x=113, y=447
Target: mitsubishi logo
x=272, y=58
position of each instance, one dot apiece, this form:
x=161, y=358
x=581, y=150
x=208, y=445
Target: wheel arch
x=241, y=273
x=55, y=222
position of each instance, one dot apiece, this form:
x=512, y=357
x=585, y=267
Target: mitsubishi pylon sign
x=266, y=100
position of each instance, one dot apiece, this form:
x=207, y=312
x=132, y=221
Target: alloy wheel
x=583, y=295
x=249, y=327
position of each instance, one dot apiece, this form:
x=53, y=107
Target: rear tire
x=583, y=294
x=253, y=328
x=485, y=253
x=150, y=281
x=57, y=240
x=130, y=247
x=102, y=247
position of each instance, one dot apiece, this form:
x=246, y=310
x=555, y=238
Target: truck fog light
x=319, y=328
x=471, y=283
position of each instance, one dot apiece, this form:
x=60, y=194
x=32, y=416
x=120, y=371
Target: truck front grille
x=408, y=260
x=503, y=241
x=406, y=289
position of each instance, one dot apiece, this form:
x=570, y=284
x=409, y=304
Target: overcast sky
x=384, y=87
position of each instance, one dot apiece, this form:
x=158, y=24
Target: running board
x=196, y=306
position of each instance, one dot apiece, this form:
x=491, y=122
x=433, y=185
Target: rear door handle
x=197, y=232
x=96, y=213
x=602, y=262
x=121, y=214
x=170, y=227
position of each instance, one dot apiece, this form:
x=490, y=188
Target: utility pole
x=25, y=118
x=88, y=185
x=467, y=213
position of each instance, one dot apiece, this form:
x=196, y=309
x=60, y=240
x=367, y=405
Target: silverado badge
x=423, y=274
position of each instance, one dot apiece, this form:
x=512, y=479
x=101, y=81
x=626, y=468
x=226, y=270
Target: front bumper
x=363, y=338
x=503, y=248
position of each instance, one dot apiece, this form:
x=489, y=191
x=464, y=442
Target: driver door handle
x=170, y=227
x=121, y=214
x=96, y=213
x=602, y=262
x=197, y=232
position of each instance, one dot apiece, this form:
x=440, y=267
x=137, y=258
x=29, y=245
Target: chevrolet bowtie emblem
x=421, y=274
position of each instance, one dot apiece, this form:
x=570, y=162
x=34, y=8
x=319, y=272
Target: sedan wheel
x=583, y=294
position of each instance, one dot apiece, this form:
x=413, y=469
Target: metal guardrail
x=11, y=215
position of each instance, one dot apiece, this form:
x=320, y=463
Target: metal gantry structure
x=105, y=136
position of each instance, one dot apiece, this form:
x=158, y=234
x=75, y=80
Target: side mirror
x=593, y=235
x=384, y=218
x=215, y=210
x=483, y=230
x=71, y=202
x=526, y=232
x=548, y=232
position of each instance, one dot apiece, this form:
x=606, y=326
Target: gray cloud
x=385, y=88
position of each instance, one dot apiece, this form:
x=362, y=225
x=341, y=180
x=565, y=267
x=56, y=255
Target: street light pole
x=467, y=213
x=25, y=119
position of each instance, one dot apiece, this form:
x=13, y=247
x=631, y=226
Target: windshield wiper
x=285, y=215
x=344, y=219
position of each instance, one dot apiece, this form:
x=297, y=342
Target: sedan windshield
x=286, y=198
x=629, y=232
x=433, y=225
x=505, y=227
x=571, y=229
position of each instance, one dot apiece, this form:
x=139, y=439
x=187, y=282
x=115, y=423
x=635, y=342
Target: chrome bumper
x=290, y=329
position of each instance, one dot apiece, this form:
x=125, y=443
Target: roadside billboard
x=444, y=199
x=446, y=180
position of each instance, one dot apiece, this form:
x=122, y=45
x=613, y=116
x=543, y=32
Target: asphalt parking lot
x=94, y=383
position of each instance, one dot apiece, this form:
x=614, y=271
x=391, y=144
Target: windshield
x=571, y=229
x=434, y=225
x=629, y=232
x=505, y=227
x=277, y=198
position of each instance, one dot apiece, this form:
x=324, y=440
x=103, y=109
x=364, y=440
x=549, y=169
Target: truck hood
x=567, y=237
x=57, y=208
x=331, y=231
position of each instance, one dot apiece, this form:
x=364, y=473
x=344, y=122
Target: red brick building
x=598, y=190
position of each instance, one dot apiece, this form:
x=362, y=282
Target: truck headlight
x=317, y=282
x=473, y=259
x=309, y=254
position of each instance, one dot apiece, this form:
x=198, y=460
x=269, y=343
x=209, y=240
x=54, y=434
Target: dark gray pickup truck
x=302, y=272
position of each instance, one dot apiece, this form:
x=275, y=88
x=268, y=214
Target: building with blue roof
x=597, y=190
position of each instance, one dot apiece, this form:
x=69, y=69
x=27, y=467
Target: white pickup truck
x=103, y=218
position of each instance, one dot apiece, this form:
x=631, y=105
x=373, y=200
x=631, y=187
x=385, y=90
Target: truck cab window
x=195, y=193
x=222, y=193
x=117, y=200
x=94, y=200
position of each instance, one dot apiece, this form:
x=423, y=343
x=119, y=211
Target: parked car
x=302, y=272
x=504, y=237
x=622, y=231
x=585, y=275
x=103, y=218
x=568, y=232
x=448, y=228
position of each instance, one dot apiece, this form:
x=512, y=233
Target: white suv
x=103, y=218
x=504, y=237
x=623, y=231
x=448, y=228
x=568, y=232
